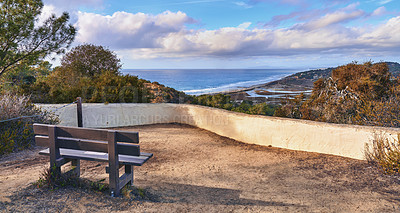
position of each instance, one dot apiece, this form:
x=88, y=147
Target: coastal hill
x=306, y=79
x=301, y=82
x=160, y=93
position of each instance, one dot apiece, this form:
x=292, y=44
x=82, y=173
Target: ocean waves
x=234, y=86
x=208, y=81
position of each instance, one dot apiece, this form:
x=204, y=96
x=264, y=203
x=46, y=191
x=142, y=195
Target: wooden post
x=76, y=164
x=54, y=150
x=79, y=111
x=113, y=163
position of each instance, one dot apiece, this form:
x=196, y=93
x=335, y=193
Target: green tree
x=22, y=78
x=22, y=41
x=290, y=107
x=262, y=109
x=91, y=72
x=91, y=60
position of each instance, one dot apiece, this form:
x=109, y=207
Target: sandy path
x=195, y=170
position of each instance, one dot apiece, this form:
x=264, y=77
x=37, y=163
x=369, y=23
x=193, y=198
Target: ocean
x=205, y=81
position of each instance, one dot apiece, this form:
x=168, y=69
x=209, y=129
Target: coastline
x=236, y=87
x=272, y=92
x=212, y=81
x=253, y=87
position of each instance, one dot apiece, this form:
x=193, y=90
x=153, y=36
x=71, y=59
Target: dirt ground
x=194, y=170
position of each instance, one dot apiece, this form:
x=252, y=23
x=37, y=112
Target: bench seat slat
x=101, y=156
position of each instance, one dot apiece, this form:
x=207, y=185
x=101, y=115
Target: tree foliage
x=22, y=41
x=364, y=94
x=93, y=75
x=90, y=60
x=105, y=88
x=224, y=102
x=22, y=78
x=368, y=80
x=91, y=72
x=328, y=103
x=290, y=107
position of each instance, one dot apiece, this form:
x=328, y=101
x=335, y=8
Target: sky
x=225, y=34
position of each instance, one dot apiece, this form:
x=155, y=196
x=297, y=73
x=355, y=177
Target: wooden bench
x=71, y=144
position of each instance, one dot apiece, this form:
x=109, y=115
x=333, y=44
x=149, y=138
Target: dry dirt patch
x=196, y=170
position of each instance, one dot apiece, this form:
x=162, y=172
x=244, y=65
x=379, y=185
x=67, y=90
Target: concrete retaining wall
x=336, y=139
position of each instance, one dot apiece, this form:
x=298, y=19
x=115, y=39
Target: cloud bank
x=167, y=35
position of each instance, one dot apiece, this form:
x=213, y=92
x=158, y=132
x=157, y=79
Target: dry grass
x=385, y=153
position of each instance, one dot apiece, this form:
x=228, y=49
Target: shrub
x=384, y=153
x=368, y=80
x=385, y=112
x=18, y=134
x=363, y=94
x=290, y=107
x=330, y=103
x=50, y=179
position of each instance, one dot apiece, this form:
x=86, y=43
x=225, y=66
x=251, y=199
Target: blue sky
x=156, y=34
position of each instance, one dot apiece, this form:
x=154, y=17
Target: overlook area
x=196, y=170
x=239, y=106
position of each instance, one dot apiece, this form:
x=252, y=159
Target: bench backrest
x=87, y=139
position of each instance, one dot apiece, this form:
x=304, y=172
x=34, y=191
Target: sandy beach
x=194, y=170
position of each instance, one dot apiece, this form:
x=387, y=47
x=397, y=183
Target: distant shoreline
x=261, y=86
x=212, y=81
x=252, y=87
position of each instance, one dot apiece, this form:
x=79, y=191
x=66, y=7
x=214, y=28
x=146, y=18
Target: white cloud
x=244, y=25
x=385, y=36
x=166, y=36
x=127, y=30
x=381, y=2
x=385, y=1
x=47, y=11
x=333, y=18
x=57, y=7
x=243, y=4
x=379, y=11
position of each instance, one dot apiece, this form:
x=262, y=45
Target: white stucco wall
x=336, y=139
x=114, y=115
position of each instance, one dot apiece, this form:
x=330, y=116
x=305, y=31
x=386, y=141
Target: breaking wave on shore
x=234, y=86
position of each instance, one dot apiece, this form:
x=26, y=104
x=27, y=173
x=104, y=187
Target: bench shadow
x=192, y=194
x=391, y=195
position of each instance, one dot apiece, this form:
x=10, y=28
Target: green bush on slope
x=18, y=134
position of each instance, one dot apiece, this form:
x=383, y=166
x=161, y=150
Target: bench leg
x=114, y=180
x=55, y=166
x=113, y=163
x=76, y=167
x=129, y=172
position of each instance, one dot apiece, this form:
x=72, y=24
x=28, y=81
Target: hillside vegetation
x=307, y=78
x=87, y=71
x=364, y=94
x=24, y=43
